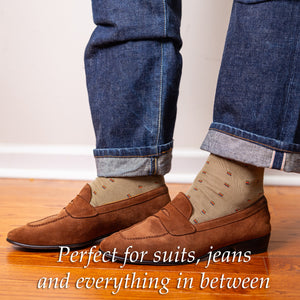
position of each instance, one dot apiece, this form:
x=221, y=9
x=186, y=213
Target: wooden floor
x=26, y=200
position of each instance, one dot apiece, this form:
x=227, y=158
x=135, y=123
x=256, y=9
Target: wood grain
x=24, y=200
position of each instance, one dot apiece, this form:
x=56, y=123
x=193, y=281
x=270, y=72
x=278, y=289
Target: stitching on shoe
x=190, y=206
x=144, y=237
x=161, y=235
x=196, y=231
x=184, y=216
x=79, y=196
x=53, y=221
x=168, y=232
x=229, y=223
x=42, y=219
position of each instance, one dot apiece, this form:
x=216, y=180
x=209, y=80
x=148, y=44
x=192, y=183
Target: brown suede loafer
x=80, y=224
x=170, y=231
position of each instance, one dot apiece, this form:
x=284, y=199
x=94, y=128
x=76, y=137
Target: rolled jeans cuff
x=243, y=146
x=129, y=162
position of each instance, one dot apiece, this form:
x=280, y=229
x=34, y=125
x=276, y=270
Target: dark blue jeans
x=133, y=69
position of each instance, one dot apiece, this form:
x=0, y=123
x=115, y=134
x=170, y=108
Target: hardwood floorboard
x=24, y=200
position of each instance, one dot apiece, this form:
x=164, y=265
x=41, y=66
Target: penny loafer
x=170, y=230
x=80, y=224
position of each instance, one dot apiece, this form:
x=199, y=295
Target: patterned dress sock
x=107, y=190
x=223, y=187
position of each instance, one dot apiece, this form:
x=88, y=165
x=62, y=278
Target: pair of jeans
x=133, y=69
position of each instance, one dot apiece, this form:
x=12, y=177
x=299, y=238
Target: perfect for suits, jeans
x=133, y=69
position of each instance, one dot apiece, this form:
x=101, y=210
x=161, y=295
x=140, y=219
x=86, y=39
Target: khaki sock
x=223, y=187
x=107, y=190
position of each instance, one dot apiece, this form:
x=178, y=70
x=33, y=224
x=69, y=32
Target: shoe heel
x=256, y=246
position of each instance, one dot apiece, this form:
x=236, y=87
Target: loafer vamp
x=170, y=230
x=61, y=229
x=80, y=223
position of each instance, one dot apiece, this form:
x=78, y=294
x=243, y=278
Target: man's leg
x=256, y=125
x=133, y=69
x=257, y=107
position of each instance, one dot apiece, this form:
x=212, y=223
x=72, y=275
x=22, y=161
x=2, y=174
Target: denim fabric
x=257, y=100
x=133, y=69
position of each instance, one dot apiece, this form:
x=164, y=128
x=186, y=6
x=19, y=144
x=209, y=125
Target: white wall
x=44, y=113
x=42, y=93
x=204, y=26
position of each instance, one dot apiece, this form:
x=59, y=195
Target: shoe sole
x=255, y=246
x=56, y=247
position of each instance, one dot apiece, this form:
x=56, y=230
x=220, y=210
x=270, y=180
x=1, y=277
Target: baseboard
x=75, y=162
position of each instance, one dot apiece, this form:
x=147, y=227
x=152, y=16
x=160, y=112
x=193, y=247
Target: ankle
x=107, y=190
x=223, y=187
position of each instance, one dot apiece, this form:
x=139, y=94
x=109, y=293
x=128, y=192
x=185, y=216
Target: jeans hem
x=227, y=143
x=267, y=142
x=129, y=162
x=134, y=152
